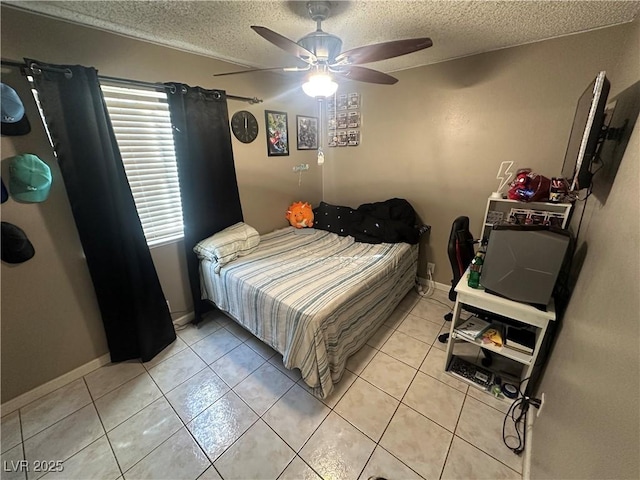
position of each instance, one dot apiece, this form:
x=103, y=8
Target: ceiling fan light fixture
x=320, y=85
x=320, y=51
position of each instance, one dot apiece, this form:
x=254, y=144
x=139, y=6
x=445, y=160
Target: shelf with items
x=516, y=340
x=510, y=353
x=504, y=314
x=504, y=210
x=483, y=378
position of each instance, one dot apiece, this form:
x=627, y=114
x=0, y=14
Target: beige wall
x=50, y=319
x=590, y=425
x=438, y=136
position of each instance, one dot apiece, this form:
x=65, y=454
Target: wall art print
x=307, y=132
x=277, y=133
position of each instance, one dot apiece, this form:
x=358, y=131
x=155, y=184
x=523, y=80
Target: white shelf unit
x=499, y=209
x=520, y=313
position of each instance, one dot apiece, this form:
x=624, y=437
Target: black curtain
x=133, y=307
x=206, y=171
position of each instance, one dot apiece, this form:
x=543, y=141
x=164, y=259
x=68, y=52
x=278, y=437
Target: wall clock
x=244, y=126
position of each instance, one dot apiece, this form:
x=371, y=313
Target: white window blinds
x=142, y=126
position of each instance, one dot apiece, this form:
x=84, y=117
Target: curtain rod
x=159, y=86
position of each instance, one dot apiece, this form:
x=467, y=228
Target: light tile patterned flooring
x=218, y=403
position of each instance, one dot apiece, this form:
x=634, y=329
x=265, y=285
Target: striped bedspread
x=315, y=297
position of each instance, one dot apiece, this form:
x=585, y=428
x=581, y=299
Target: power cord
x=431, y=286
x=520, y=420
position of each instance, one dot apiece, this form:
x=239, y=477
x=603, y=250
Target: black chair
x=461, y=251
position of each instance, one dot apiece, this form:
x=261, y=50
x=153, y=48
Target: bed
x=314, y=296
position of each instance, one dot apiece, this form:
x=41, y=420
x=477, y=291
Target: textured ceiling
x=221, y=29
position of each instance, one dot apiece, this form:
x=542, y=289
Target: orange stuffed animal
x=300, y=215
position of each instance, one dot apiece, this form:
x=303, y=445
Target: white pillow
x=228, y=244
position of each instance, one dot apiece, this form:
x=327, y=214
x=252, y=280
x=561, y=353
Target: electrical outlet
x=431, y=267
x=541, y=405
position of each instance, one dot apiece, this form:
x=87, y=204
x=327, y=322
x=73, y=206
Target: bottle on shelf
x=475, y=269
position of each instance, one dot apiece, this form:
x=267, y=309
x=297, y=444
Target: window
x=142, y=125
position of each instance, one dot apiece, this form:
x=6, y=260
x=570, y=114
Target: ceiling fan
x=320, y=51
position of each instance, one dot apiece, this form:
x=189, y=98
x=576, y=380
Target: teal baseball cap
x=30, y=179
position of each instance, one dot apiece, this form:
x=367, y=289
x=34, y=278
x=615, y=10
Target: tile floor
x=218, y=403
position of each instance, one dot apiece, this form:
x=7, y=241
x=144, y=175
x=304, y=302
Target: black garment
x=391, y=221
x=133, y=307
x=206, y=171
x=335, y=218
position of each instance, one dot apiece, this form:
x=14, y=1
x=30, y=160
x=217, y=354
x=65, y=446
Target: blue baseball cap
x=30, y=179
x=14, y=119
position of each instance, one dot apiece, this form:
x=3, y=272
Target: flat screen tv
x=621, y=116
x=586, y=133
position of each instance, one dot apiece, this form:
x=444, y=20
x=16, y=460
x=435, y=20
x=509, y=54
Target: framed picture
x=353, y=119
x=307, y=132
x=353, y=138
x=342, y=101
x=277, y=133
x=353, y=101
x=342, y=120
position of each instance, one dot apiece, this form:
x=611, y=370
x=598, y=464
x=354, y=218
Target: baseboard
x=184, y=319
x=442, y=287
x=437, y=286
x=28, y=397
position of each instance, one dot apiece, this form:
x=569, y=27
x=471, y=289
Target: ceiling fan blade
x=363, y=74
x=286, y=44
x=382, y=51
x=283, y=69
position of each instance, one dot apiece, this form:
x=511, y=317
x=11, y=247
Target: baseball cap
x=14, y=119
x=30, y=179
x=16, y=247
x=5, y=194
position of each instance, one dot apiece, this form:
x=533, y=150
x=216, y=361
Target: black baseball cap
x=5, y=194
x=16, y=247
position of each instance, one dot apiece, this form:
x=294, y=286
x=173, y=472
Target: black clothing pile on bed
x=391, y=221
